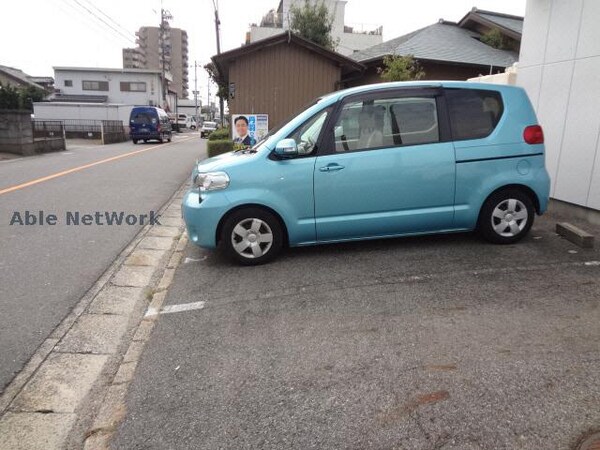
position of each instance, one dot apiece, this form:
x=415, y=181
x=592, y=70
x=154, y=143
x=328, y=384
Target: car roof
x=423, y=84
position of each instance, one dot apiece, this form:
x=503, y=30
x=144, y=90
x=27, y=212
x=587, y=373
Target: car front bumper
x=202, y=214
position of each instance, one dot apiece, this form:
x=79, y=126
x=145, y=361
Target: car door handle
x=331, y=168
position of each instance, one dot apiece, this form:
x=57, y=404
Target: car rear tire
x=251, y=236
x=506, y=216
x=135, y=141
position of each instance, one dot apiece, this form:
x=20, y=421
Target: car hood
x=223, y=162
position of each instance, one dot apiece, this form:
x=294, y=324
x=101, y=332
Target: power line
x=104, y=22
x=107, y=16
x=92, y=22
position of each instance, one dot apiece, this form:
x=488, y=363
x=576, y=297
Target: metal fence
x=83, y=129
x=43, y=129
x=113, y=131
x=107, y=131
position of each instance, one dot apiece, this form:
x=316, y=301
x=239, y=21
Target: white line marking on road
x=189, y=260
x=175, y=308
x=592, y=263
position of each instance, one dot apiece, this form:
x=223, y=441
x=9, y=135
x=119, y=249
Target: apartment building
x=350, y=38
x=149, y=55
x=114, y=86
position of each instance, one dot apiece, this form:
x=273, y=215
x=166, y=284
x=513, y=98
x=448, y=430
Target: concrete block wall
x=16, y=135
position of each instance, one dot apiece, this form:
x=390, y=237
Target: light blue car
x=377, y=161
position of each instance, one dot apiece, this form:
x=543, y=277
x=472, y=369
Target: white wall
x=152, y=80
x=348, y=42
x=81, y=111
x=509, y=76
x=559, y=66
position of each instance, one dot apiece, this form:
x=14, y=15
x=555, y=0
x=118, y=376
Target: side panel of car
x=286, y=187
x=478, y=179
x=391, y=170
x=491, y=152
x=385, y=192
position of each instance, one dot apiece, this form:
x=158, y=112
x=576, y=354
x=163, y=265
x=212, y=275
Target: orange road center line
x=79, y=168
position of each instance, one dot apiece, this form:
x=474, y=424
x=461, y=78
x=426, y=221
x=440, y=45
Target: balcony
x=272, y=19
x=362, y=28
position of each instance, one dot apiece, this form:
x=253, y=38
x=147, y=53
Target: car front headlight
x=211, y=181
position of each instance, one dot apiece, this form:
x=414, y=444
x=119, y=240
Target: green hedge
x=219, y=135
x=217, y=147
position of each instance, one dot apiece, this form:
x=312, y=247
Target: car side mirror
x=286, y=148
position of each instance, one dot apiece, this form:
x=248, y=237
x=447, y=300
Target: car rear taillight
x=533, y=134
x=158, y=128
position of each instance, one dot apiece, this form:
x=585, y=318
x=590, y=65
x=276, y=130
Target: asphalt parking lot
x=441, y=342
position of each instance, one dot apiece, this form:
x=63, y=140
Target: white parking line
x=175, y=308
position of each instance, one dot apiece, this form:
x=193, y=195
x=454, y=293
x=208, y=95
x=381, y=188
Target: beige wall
x=433, y=71
x=280, y=80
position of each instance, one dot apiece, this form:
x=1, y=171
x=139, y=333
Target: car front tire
x=251, y=236
x=506, y=216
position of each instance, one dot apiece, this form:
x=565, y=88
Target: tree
x=400, y=68
x=9, y=97
x=20, y=98
x=30, y=94
x=494, y=38
x=213, y=73
x=313, y=22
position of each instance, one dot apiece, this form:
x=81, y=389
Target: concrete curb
x=574, y=234
x=78, y=377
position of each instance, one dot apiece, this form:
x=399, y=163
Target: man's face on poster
x=241, y=128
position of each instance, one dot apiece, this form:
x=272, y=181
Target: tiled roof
x=512, y=23
x=443, y=41
x=79, y=98
x=19, y=75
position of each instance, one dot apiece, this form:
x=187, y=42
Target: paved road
x=422, y=343
x=45, y=270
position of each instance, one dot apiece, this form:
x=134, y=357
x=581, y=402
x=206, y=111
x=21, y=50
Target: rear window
x=210, y=125
x=143, y=118
x=474, y=113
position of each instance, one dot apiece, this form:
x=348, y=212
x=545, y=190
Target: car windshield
x=210, y=125
x=271, y=132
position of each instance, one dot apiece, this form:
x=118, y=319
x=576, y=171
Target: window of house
x=87, y=85
x=474, y=113
x=68, y=83
x=390, y=122
x=129, y=86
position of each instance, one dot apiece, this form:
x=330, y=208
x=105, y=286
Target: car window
x=143, y=118
x=389, y=122
x=474, y=113
x=307, y=134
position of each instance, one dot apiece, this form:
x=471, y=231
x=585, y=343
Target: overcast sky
x=39, y=34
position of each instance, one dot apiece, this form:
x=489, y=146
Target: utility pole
x=208, y=99
x=196, y=88
x=217, y=23
x=165, y=16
